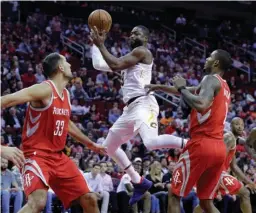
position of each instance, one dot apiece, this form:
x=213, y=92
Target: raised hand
x=98, y=38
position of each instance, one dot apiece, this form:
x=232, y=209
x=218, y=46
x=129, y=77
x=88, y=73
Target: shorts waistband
x=133, y=99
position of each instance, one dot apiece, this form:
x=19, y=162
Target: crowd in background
x=96, y=100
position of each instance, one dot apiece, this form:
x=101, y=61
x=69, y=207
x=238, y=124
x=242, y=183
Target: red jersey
x=45, y=129
x=229, y=158
x=210, y=123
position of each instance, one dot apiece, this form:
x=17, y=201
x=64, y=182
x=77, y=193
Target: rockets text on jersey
x=46, y=128
x=210, y=123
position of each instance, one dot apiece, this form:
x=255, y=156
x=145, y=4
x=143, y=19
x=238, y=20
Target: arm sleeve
x=98, y=61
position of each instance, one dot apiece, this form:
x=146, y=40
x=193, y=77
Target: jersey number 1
x=59, y=128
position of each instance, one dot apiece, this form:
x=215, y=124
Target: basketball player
x=202, y=158
x=141, y=110
x=250, y=145
x=229, y=184
x=13, y=154
x=46, y=126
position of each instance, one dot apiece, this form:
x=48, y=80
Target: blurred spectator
x=28, y=78
x=155, y=175
x=10, y=188
x=95, y=183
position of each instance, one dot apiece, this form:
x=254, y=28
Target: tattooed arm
x=210, y=86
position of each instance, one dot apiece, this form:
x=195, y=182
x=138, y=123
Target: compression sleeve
x=98, y=61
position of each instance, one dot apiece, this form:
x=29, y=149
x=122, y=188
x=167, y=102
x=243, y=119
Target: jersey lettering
x=59, y=128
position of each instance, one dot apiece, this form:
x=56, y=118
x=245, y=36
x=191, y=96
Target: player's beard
x=135, y=43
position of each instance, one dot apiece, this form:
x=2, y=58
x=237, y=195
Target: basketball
x=101, y=19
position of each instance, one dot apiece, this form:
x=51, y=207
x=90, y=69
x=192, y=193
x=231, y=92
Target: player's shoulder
x=44, y=86
x=211, y=80
x=141, y=50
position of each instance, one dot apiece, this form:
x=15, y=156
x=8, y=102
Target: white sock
x=136, y=178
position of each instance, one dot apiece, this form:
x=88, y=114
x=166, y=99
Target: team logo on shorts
x=153, y=124
x=229, y=181
x=176, y=178
x=27, y=178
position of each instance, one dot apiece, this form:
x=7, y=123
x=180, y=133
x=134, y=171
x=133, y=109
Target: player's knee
x=206, y=205
x=171, y=195
x=244, y=193
x=37, y=200
x=150, y=143
x=89, y=199
x=111, y=142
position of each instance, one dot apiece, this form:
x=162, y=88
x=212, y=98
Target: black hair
x=225, y=60
x=145, y=30
x=50, y=64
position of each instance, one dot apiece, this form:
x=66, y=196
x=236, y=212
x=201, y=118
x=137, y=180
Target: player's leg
x=112, y=143
x=36, y=201
x=198, y=209
x=231, y=185
x=35, y=178
x=187, y=171
x=173, y=202
x=245, y=202
x=148, y=129
x=70, y=186
x=89, y=203
x=214, y=153
x=123, y=130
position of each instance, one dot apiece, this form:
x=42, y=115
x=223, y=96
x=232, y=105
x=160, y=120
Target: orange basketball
x=101, y=19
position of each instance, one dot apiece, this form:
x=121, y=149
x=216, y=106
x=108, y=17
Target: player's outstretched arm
x=114, y=63
x=36, y=92
x=167, y=89
x=209, y=86
x=77, y=134
x=238, y=172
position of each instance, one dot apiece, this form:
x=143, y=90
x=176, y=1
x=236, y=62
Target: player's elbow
x=200, y=108
x=115, y=67
x=202, y=105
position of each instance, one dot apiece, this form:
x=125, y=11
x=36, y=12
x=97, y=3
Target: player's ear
x=61, y=67
x=145, y=39
x=216, y=63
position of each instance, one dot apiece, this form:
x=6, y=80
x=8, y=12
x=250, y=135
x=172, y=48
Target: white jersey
x=134, y=80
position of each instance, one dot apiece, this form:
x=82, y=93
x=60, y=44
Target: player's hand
x=178, y=82
x=97, y=148
x=98, y=38
x=252, y=187
x=152, y=88
x=13, y=154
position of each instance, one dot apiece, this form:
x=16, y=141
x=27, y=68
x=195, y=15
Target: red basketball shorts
x=199, y=164
x=229, y=184
x=56, y=171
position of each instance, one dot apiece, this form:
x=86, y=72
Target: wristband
x=181, y=88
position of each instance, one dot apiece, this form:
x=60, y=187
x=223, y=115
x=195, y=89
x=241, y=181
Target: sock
x=136, y=178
